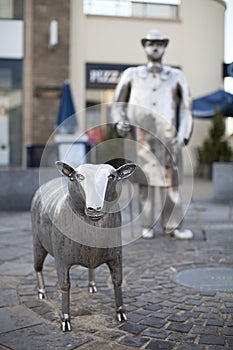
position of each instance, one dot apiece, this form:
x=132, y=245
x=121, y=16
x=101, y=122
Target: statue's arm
x=121, y=99
x=185, y=113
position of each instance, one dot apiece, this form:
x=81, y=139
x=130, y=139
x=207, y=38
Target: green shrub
x=215, y=148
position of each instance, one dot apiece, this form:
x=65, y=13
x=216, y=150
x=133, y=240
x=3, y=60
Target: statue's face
x=155, y=50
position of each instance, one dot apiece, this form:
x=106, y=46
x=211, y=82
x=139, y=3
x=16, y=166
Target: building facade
x=95, y=41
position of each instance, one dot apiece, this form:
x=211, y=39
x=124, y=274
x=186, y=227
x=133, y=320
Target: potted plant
x=215, y=148
x=216, y=159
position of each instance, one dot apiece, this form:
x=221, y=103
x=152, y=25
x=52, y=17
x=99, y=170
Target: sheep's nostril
x=98, y=209
x=90, y=209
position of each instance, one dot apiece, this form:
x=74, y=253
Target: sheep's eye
x=80, y=177
x=111, y=177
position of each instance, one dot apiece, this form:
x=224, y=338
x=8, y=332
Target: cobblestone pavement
x=162, y=314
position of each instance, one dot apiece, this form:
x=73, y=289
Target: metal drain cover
x=207, y=278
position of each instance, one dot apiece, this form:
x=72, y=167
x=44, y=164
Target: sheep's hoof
x=92, y=287
x=65, y=324
x=120, y=315
x=41, y=294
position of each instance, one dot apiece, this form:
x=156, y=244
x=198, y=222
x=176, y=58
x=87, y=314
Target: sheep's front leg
x=64, y=282
x=39, y=256
x=115, y=268
x=92, y=285
x=41, y=287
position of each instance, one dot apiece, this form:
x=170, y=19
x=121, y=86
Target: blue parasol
x=205, y=106
x=66, y=119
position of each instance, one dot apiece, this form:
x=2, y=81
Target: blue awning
x=66, y=119
x=205, y=106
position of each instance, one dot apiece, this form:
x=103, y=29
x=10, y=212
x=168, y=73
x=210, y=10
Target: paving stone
x=189, y=346
x=143, y=312
x=156, y=333
x=211, y=303
x=154, y=299
x=167, y=304
x=178, y=318
x=230, y=341
x=193, y=302
x=132, y=328
x=17, y=317
x=15, y=269
x=8, y=282
x=202, y=309
x=184, y=307
x=8, y=297
x=205, y=330
x=208, y=293
x=42, y=337
x=219, y=348
x=134, y=341
x=227, y=310
x=197, y=321
x=135, y=317
x=152, y=307
x=227, y=331
x=214, y=322
x=103, y=345
x=160, y=345
x=182, y=338
x=229, y=304
x=131, y=308
x=167, y=311
x=110, y=334
x=192, y=315
x=153, y=322
x=180, y=327
x=225, y=298
x=11, y=252
x=162, y=315
x=140, y=304
x=212, y=340
x=41, y=309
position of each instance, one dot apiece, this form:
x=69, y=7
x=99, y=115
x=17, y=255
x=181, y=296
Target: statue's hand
x=176, y=145
x=123, y=128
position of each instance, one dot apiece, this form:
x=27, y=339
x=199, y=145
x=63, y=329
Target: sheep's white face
x=94, y=180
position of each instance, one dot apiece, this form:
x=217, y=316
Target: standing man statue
x=152, y=103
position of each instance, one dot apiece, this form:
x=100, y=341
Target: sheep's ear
x=125, y=170
x=65, y=169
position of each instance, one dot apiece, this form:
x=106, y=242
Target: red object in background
x=95, y=135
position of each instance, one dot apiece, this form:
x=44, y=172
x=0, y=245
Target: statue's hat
x=155, y=35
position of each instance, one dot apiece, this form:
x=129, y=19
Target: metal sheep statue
x=80, y=224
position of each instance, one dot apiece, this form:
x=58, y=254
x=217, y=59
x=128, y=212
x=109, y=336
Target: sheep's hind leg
x=116, y=274
x=92, y=285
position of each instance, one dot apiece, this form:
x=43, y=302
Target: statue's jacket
x=147, y=98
